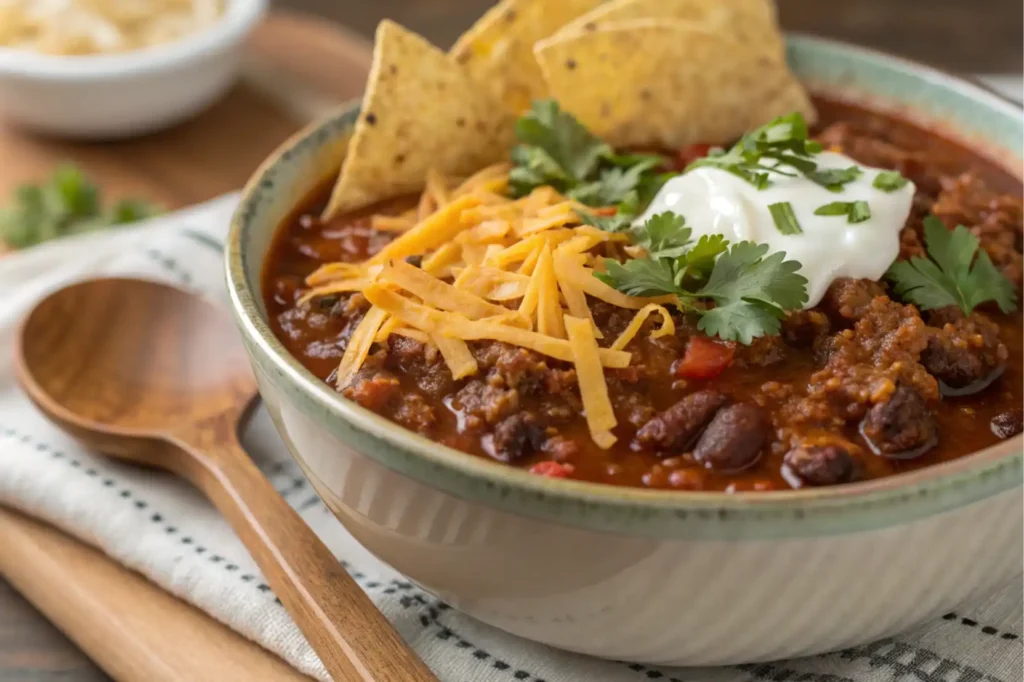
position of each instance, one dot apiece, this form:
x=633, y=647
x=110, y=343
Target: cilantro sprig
x=557, y=150
x=779, y=147
x=956, y=272
x=66, y=204
x=739, y=291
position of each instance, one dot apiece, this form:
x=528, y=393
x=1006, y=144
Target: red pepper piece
x=552, y=469
x=704, y=359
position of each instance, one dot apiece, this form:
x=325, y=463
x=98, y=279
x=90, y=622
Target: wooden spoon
x=149, y=373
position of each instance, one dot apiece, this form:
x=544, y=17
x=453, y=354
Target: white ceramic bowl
x=658, y=577
x=123, y=95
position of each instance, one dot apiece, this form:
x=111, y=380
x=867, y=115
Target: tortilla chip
x=498, y=49
x=665, y=83
x=421, y=111
x=746, y=20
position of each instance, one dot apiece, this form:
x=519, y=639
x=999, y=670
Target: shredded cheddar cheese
x=630, y=332
x=359, y=345
x=470, y=264
x=387, y=223
x=590, y=375
x=456, y=355
x=549, y=307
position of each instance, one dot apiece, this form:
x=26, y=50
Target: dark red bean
x=673, y=431
x=1009, y=423
x=959, y=371
x=819, y=465
x=734, y=438
x=903, y=427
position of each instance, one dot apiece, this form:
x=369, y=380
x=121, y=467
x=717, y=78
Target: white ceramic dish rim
x=939, y=487
x=239, y=19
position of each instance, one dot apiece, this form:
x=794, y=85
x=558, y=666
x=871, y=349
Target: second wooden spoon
x=149, y=373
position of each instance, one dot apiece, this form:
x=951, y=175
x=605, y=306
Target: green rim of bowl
x=973, y=113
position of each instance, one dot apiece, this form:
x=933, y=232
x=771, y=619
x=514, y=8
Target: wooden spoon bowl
x=148, y=373
x=104, y=359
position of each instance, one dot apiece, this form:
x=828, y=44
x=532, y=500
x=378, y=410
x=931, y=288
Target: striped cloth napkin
x=160, y=527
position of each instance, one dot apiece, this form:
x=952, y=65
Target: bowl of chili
x=688, y=538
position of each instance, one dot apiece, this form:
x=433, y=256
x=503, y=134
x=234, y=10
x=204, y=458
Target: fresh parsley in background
x=66, y=204
x=951, y=274
x=555, y=149
x=750, y=289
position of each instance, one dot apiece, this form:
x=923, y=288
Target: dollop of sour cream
x=714, y=201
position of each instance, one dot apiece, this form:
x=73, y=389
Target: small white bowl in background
x=126, y=94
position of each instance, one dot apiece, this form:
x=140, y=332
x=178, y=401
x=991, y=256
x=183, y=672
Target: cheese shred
x=359, y=345
x=593, y=389
x=630, y=332
x=456, y=355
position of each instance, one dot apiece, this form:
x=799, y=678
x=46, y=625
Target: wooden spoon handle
x=354, y=641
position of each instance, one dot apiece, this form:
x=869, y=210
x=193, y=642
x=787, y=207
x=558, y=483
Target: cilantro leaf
x=131, y=211
x=555, y=149
x=954, y=273
x=746, y=272
x=750, y=289
x=988, y=283
x=614, y=184
x=920, y=282
x=664, y=235
x=698, y=262
x=573, y=148
x=784, y=142
x=639, y=276
x=630, y=160
x=68, y=203
x=534, y=167
x=613, y=223
x=78, y=197
x=741, y=321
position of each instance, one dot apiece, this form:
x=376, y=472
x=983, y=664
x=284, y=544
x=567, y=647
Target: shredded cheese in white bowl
x=88, y=27
x=105, y=69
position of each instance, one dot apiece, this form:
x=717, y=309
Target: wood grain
x=100, y=602
x=159, y=377
x=31, y=648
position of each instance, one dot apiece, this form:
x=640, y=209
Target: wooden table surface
x=971, y=36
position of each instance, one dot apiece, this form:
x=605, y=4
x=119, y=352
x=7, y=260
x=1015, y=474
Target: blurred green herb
x=65, y=204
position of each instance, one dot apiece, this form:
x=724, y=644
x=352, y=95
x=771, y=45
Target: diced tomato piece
x=704, y=358
x=552, y=469
x=692, y=152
